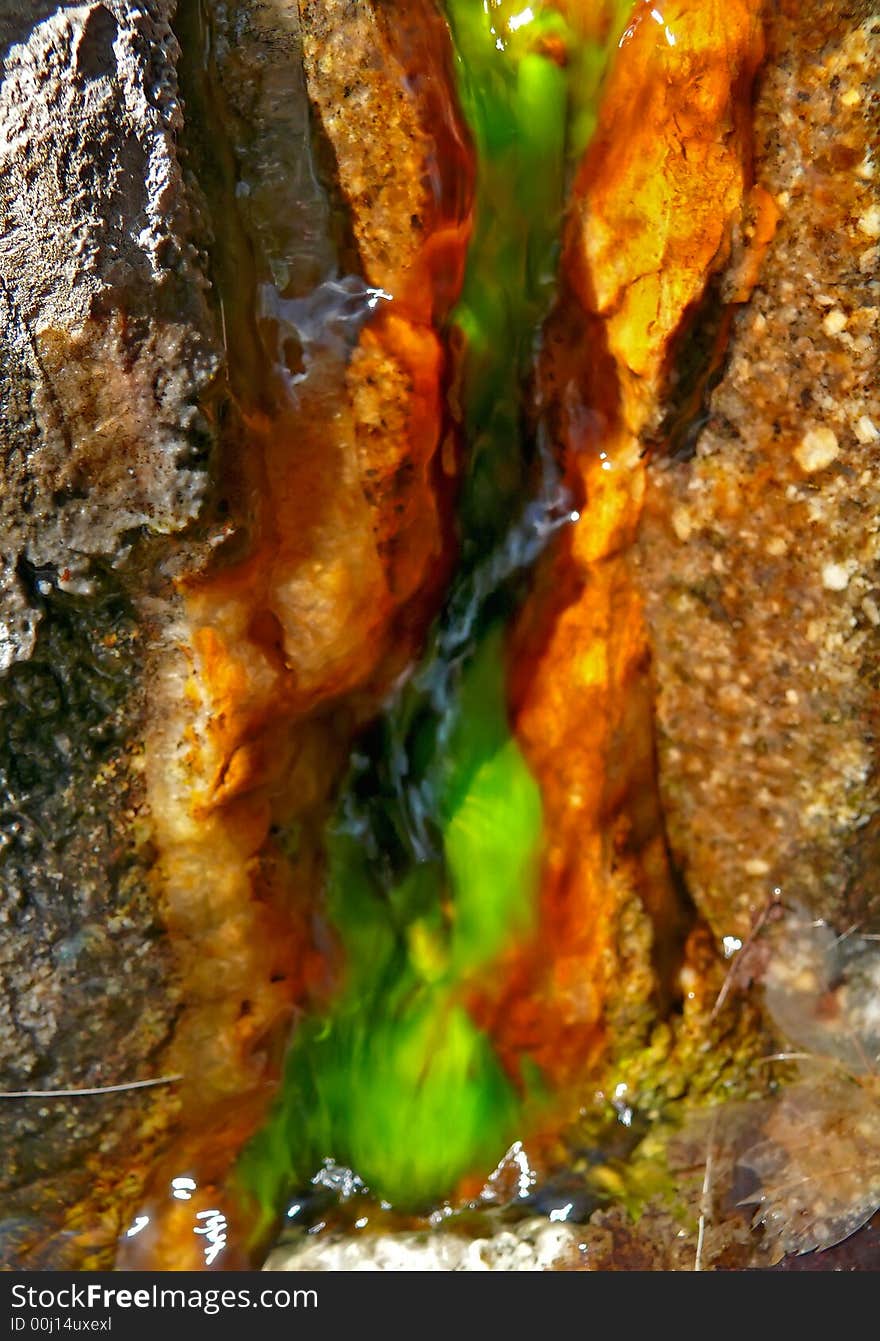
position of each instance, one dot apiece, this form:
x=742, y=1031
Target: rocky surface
x=171, y=728
x=330, y=537
x=641, y=244
x=200, y=343
x=107, y=345
x=759, y=554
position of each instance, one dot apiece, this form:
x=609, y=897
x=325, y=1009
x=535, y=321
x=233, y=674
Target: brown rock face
x=759, y=554
x=98, y=278
x=652, y=215
x=201, y=346
x=107, y=347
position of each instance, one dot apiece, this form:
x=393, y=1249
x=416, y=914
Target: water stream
x=434, y=854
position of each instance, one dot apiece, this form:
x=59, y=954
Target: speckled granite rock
x=759, y=556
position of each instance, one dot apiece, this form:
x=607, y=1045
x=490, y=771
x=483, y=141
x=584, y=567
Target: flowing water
x=434, y=854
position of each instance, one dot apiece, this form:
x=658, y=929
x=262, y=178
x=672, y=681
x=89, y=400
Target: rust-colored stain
x=656, y=201
x=341, y=550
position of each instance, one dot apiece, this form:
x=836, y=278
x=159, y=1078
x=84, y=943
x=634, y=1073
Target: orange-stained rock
x=760, y=548
x=665, y=176
x=333, y=548
x=656, y=201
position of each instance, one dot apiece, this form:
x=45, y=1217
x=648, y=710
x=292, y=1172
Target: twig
x=797, y=1057
x=705, y=1203
x=738, y=959
x=98, y=1089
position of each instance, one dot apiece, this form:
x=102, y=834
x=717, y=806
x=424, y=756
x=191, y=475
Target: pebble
x=817, y=448
x=835, y=577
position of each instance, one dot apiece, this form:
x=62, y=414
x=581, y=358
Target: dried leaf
x=809, y=1157
x=823, y=991
x=818, y=1162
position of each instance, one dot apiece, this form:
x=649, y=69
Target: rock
x=221, y=420
x=106, y=335
x=228, y=459
x=654, y=207
x=108, y=346
x=534, y=1245
x=330, y=539
x=764, y=649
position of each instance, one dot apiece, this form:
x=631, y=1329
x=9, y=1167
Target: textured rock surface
x=167, y=800
x=130, y=864
x=757, y=563
x=640, y=247
x=759, y=556
x=102, y=316
x=106, y=346
x=334, y=250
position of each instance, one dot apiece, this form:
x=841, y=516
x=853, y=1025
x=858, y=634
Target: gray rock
x=102, y=313
x=107, y=344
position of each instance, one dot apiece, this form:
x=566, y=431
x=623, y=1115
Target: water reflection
x=326, y=321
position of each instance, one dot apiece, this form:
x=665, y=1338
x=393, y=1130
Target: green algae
x=396, y=1080
x=434, y=856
